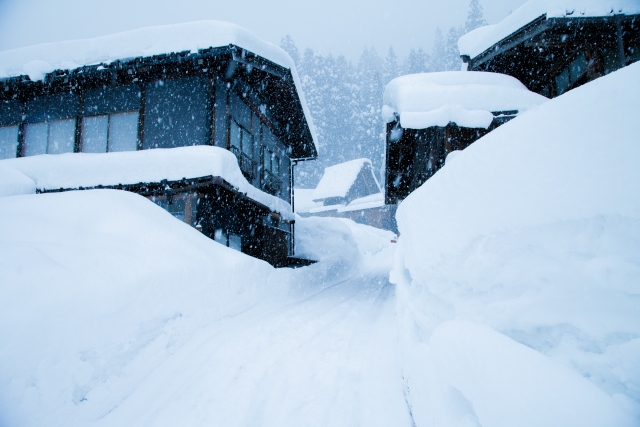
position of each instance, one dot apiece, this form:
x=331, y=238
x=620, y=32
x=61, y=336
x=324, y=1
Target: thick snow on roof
x=338, y=179
x=303, y=200
x=530, y=240
x=74, y=170
x=464, y=97
x=481, y=39
x=374, y=200
x=35, y=61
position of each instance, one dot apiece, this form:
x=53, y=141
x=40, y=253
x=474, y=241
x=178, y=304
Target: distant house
x=430, y=115
x=553, y=46
x=206, y=83
x=347, y=190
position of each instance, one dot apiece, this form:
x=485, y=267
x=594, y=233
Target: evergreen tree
x=390, y=66
x=475, y=17
x=418, y=62
x=288, y=45
x=452, y=61
x=438, y=54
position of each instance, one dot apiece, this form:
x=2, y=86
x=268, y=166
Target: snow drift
x=518, y=270
x=113, y=312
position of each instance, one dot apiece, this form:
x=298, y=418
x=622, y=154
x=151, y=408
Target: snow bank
x=464, y=97
x=518, y=270
x=36, y=61
x=114, y=312
x=98, y=289
x=74, y=170
x=481, y=39
x=303, y=200
x=338, y=179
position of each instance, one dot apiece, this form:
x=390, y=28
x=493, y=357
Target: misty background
x=345, y=51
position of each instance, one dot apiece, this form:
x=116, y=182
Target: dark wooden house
x=429, y=115
x=205, y=83
x=348, y=190
x=552, y=49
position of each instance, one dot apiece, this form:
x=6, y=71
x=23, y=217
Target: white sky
x=336, y=26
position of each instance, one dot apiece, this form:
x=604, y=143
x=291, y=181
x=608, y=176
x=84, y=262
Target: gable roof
x=467, y=98
x=338, y=179
x=479, y=40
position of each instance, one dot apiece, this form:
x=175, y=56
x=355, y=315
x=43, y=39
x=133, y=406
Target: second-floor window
x=50, y=137
x=110, y=132
x=242, y=146
x=8, y=141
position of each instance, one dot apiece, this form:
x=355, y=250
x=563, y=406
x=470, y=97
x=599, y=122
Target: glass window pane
x=275, y=164
x=247, y=143
x=62, y=135
x=35, y=138
x=94, y=134
x=267, y=160
x=236, y=135
x=220, y=236
x=235, y=242
x=8, y=142
x=123, y=132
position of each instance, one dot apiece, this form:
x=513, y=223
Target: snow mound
x=531, y=236
x=113, y=312
x=477, y=41
x=75, y=170
x=99, y=288
x=464, y=97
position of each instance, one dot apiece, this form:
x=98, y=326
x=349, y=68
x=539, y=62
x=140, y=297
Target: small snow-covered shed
x=342, y=183
x=348, y=190
x=553, y=46
x=429, y=115
x=206, y=83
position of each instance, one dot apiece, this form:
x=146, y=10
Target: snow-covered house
x=556, y=45
x=205, y=83
x=429, y=115
x=347, y=190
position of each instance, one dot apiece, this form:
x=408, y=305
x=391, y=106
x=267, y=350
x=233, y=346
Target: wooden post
x=623, y=60
x=141, y=114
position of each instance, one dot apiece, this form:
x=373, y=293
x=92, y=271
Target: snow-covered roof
x=74, y=170
x=338, y=179
x=303, y=200
x=374, y=200
x=467, y=98
x=481, y=39
x=38, y=60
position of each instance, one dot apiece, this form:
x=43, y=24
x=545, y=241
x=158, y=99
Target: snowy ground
x=114, y=313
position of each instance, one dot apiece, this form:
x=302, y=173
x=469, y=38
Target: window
x=50, y=137
x=234, y=241
x=110, y=132
x=242, y=147
x=241, y=139
x=8, y=142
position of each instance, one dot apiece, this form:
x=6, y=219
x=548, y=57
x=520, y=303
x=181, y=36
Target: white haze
x=329, y=26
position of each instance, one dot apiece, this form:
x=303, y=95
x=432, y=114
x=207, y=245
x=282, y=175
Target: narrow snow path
x=328, y=360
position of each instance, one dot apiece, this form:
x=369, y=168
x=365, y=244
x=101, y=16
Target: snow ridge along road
x=113, y=313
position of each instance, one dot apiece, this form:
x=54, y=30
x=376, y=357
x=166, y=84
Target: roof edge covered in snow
x=481, y=39
x=338, y=179
x=39, y=60
x=467, y=98
x=51, y=172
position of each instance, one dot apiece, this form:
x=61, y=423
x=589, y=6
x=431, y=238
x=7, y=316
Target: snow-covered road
x=328, y=360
